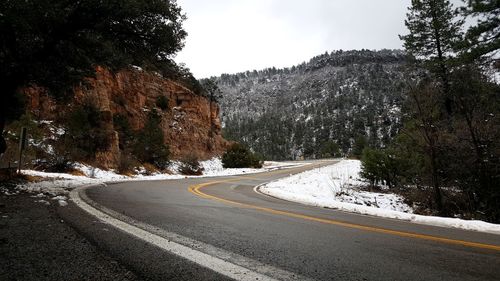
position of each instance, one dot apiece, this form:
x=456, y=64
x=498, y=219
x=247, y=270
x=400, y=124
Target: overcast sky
x=229, y=36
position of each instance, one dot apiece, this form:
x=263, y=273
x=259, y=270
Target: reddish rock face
x=190, y=124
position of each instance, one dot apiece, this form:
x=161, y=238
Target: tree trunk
x=443, y=71
x=431, y=150
x=438, y=196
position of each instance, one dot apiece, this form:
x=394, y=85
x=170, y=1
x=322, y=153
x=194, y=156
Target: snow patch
x=337, y=187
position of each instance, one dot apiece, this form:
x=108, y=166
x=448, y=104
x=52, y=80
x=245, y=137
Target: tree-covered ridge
x=342, y=97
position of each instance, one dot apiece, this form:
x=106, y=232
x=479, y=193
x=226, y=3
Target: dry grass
x=150, y=168
x=76, y=172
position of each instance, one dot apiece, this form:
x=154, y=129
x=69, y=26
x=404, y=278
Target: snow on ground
x=337, y=187
x=333, y=187
x=213, y=168
x=56, y=186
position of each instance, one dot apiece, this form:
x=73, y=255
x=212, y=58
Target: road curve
x=309, y=242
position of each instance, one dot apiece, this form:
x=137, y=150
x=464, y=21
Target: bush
x=190, y=166
x=381, y=167
x=57, y=162
x=329, y=149
x=162, y=102
x=127, y=164
x=239, y=156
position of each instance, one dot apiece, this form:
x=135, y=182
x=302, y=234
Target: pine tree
x=482, y=40
x=150, y=146
x=434, y=35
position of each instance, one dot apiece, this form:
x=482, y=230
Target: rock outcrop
x=190, y=124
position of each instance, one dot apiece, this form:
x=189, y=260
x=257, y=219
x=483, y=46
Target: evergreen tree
x=435, y=138
x=425, y=126
x=434, y=35
x=329, y=149
x=150, y=144
x=482, y=40
x=239, y=156
x=360, y=143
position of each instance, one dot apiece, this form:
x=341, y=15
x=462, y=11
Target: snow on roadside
x=93, y=172
x=336, y=187
x=328, y=186
x=214, y=168
x=58, y=185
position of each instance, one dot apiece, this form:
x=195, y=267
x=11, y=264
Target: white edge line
x=214, y=263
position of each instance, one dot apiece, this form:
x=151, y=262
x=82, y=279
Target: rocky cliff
x=190, y=122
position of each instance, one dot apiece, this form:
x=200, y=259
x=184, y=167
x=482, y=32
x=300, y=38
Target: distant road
x=222, y=223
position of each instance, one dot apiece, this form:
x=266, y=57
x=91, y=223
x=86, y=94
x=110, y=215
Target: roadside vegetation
x=446, y=156
x=239, y=156
x=190, y=165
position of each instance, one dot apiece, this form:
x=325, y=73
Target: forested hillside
x=340, y=100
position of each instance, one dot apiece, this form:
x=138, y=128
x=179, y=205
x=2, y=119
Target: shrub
x=329, y=149
x=239, y=156
x=162, y=102
x=149, y=169
x=190, y=166
x=127, y=164
x=382, y=166
x=57, y=162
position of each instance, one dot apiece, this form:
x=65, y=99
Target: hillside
x=341, y=97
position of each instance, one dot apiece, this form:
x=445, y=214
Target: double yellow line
x=196, y=189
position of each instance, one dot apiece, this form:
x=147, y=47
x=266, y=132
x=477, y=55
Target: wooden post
x=22, y=146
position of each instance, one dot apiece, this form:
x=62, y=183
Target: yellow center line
x=196, y=189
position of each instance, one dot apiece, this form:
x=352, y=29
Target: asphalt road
x=312, y=242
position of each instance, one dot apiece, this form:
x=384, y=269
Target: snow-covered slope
x=292, y=112
x=338, y=187
x=334, y=186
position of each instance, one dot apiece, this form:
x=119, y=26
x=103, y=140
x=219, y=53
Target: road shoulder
x=37, y=244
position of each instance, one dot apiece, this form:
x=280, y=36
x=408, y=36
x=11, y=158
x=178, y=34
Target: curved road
x=225, y=217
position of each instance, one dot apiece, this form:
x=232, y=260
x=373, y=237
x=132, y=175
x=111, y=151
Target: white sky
x=229, y=36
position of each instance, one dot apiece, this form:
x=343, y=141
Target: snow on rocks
x=337, y=187
x=61, y=200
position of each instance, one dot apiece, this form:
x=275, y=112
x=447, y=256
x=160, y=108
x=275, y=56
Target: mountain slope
x=339, y=98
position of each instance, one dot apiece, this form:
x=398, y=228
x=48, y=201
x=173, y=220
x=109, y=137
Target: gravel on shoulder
x=36, y=244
